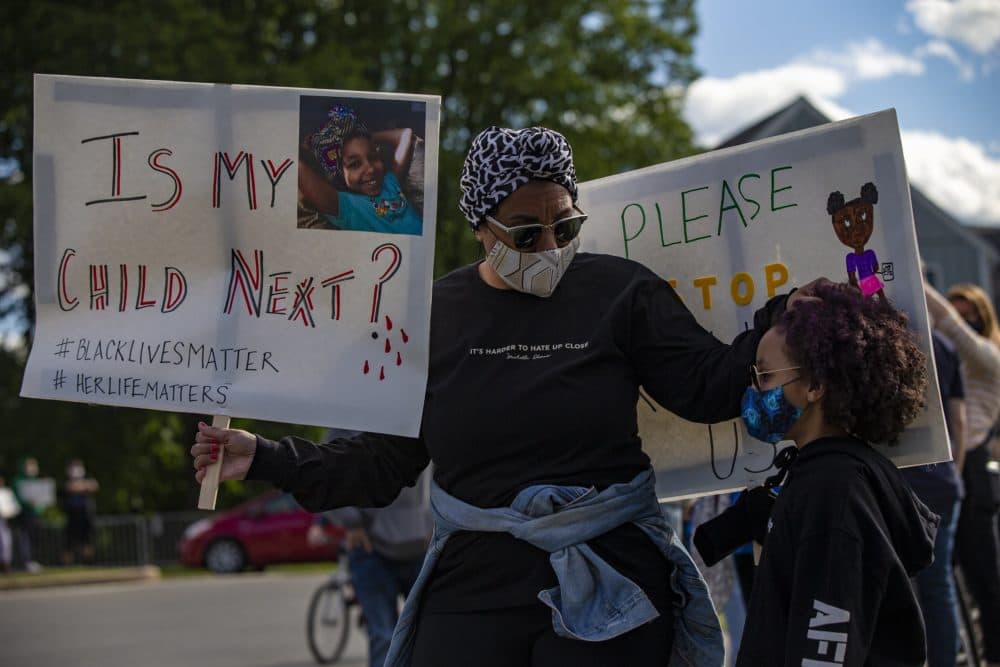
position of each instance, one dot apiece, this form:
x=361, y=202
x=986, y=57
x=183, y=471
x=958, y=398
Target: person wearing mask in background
x=939, y=486
x=549, y=545
x=385, y=549
x=9, y=508
x=25, y=524
x=80, y=506
x=968, y=319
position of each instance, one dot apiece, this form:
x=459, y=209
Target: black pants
x=978, y=549
x=523, y=637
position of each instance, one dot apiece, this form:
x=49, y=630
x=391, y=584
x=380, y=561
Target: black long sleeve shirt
x=523, y=391
x=833, y=588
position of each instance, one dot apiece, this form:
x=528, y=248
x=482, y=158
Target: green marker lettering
x=746, y=197
x=687, y=219
x=642, y=226
x=659, y=218
x=774, y=192
x=723, y=207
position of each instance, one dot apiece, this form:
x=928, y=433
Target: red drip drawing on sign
x=386, y=348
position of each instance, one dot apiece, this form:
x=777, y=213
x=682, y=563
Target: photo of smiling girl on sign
x=353, y=178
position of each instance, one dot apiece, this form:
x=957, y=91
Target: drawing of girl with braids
x=853, y=222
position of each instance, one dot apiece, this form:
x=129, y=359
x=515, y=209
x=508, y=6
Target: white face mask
x=535, y=273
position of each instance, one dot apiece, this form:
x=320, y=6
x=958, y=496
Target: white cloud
x=717, y=107
x=959, y=175
x=974, y=23
x=869, y=59
x=941, y=49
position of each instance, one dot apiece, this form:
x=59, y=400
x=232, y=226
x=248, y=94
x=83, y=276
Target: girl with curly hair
x=846, y=533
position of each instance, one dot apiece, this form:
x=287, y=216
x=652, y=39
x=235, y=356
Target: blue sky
x=937, y=62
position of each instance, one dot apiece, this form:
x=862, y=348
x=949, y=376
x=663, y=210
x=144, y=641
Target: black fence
x=119, y=540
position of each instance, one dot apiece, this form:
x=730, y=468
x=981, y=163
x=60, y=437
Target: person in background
x=968, y=319
x=385, y=549
x=846, y=533
x=25, y=525
x=939, y=486
x=80, y=506
x=9, y=508
x=723, y=585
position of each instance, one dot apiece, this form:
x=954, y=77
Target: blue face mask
x=767, y=414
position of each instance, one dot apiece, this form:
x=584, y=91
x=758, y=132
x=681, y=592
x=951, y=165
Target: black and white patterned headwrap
x=502, y=160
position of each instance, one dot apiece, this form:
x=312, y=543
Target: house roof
x=797, y=115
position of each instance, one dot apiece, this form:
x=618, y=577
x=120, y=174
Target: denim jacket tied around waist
x=592, y=601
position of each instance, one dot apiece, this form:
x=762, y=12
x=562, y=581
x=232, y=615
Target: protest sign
x=730, y=229
x=234, y=250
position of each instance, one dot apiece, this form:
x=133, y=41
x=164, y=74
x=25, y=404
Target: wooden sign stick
x=210, y=483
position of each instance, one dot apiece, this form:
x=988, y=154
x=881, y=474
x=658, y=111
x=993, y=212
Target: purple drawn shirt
x=863, y=264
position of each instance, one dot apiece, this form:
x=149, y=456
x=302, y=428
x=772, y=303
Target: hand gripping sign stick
x=210, y=483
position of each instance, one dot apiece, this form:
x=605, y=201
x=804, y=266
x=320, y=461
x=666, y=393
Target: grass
x=66, y=576
x=181, y=571
x=80, y=574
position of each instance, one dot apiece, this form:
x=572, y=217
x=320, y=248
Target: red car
x=268, y=529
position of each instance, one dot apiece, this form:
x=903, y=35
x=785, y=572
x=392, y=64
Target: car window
x=282, y=504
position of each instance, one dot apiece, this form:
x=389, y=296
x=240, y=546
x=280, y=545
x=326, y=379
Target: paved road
x=248, y=620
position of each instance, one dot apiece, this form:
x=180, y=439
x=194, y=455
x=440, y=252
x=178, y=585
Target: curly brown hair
x=862, y=351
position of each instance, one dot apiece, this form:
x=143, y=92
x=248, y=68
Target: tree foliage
x=609, y=74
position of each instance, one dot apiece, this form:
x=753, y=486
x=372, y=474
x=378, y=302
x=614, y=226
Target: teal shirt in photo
x=390, y=212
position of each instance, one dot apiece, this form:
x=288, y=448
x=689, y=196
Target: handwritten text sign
x=173, y=269
x=731, y=228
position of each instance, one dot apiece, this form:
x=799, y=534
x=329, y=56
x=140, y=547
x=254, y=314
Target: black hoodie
x=833, y=588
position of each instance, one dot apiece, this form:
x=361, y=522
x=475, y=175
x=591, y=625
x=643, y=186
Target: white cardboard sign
x=178, y=265
x=731, y=228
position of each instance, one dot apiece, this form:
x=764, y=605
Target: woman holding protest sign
x=969, y=321
x=549, y=545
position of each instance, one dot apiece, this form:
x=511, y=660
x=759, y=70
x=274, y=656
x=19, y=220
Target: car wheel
x=225, y=556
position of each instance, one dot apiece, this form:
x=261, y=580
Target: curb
x=97, y=576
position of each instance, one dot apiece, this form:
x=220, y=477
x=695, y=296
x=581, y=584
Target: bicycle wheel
x=968, y=632
x=327, y=623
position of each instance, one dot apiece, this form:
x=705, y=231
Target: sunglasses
x=526, y=237
x=755, y=375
